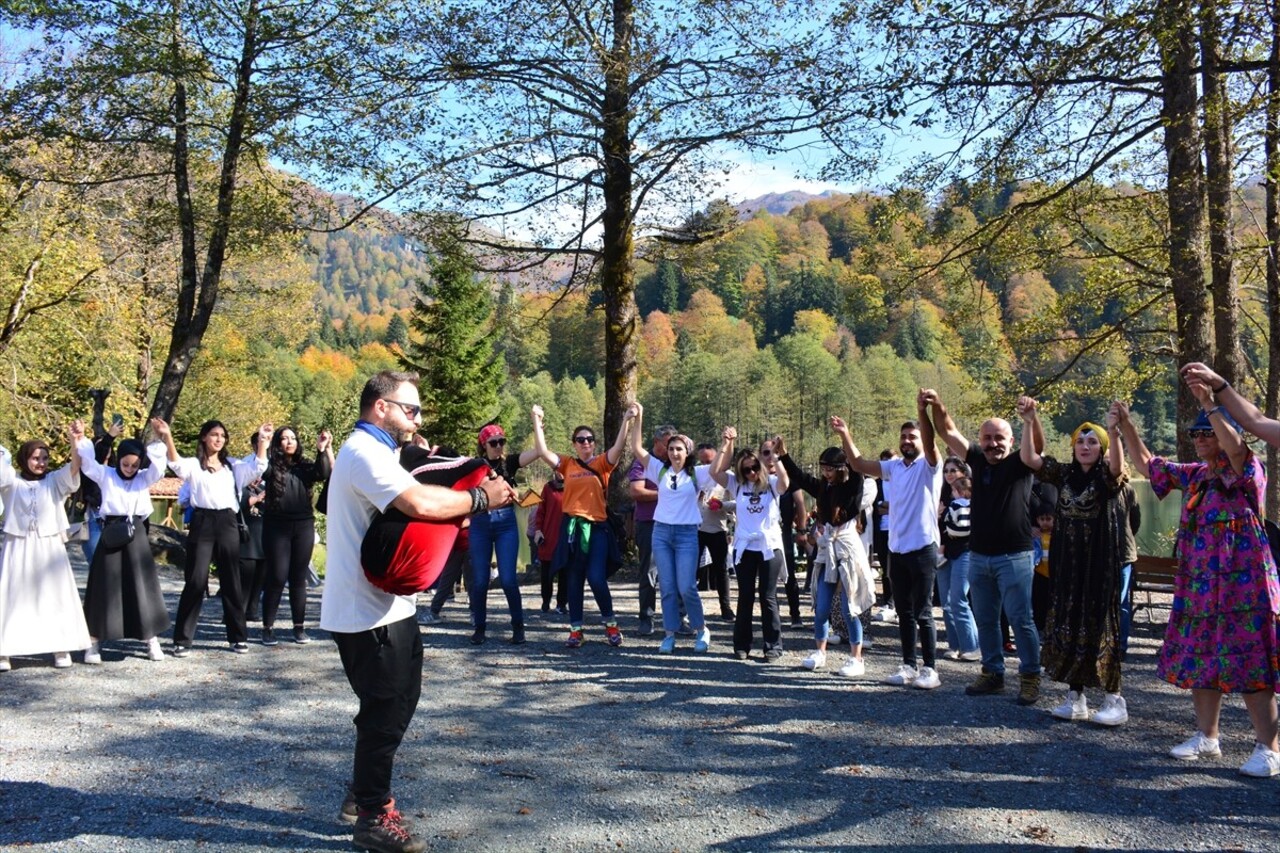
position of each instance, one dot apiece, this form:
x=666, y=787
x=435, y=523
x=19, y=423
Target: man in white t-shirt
x=912, y=487
x=376, y=632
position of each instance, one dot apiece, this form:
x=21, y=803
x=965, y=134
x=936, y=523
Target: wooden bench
x=1152, y=574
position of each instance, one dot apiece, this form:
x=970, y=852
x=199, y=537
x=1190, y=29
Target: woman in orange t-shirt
x=587, y=545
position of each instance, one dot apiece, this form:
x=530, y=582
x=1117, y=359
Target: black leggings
x=212, y=537
x=288, y=546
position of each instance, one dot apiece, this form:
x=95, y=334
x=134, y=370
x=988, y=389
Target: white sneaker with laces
x=906, y=674
x=93, y=655
x=1263, y=764
x=154, y=652
x=1195, y=746
x=817, y=660
x=61, y=660
x=927, y=679
x=1113, y=712
x=970, y=657
x=1074, y=707
x=853, y=668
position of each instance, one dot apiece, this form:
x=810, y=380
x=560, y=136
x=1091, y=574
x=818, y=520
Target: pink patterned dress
x=1222, y=628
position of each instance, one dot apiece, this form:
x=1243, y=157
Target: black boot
x=517, y=633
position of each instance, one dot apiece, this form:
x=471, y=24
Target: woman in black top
x=498, y=531
x=841, y=557
x=289, y=526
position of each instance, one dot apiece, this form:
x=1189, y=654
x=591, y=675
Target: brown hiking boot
x=385, y=831
x=1028, y=689
x=986, y=684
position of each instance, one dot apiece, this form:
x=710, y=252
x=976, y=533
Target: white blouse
x=219, y=489
x=38, y=507
x=121, y=496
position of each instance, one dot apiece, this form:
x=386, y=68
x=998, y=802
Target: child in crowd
x=1040, y=551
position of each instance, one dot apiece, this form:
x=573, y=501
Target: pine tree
x=452, y=349
x=397, y=332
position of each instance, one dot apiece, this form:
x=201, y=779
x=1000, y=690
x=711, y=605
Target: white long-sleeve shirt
x=218, y=489
x=121, y=496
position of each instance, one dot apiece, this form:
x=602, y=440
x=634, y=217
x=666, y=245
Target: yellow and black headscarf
x=1100, y=432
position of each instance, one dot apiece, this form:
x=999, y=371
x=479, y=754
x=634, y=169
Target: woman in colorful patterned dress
x=1222, y=626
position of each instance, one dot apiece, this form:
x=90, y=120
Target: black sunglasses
x=585, y=439
x=751, y=469
x=673, y=481
x=497, y=442
x=766, y=452
x=410, y=409
x=1200, y=433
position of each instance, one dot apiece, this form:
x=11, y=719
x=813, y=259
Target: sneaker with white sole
x=61, y=660
x=1113, y=712
x=1074, y=707
x=904, y=675
x=5, y=666
x=853, y=668
x=704, y=640
x=1195, y=747
x=154, y=652
x=93, y=654
x=817, y=660
x=971, y=657
x=927, y=679
x=1263, y=764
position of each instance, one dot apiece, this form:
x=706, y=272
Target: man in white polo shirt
x=376, y=632
x=912, y=486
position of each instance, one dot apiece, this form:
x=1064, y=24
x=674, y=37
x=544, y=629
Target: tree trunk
x=196, y=302
x=1273, y=246
x=1218, y=186
x=617, y=273
x=1187, y=263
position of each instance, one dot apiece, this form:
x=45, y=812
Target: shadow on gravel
x=36, y=813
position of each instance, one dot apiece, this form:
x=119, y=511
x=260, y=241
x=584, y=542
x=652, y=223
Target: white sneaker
x=887, y=615
x=1074, y=707
x=905, y=675
x=61, y=660
x=1195, y=746
x=93, y=655
x=927, y=679
x=970, y=657
x=1113, y=712
x=154, y=652
x=1263, y=763
x=954, y=654
x=817, y=660
x=5, y=666
x=853, y=668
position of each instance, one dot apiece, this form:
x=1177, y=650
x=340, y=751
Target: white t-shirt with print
x=759, y=519
x=367, y=477
x=678, y=500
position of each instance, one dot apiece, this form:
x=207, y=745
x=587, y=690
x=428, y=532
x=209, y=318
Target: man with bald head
x=1000, y=563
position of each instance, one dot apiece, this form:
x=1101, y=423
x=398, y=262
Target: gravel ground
x=541, y=748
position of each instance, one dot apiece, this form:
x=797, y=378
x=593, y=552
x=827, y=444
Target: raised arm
x=1030, y=423
x=614, y=453
x=869, y=467
x=927, y=436
x=943, y=425
x=720, y=465
x=1228, y=439
x=75, y=432
x=636, y=412
x=1115, y=447
x=808, y=482
x=1244, y=411
x=162, y=432
x=1139, y=455
x=784, y=483
x=540, y=439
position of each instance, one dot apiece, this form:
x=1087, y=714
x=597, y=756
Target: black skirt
x=122, y=598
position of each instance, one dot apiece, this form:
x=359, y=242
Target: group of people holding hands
x=960, y=523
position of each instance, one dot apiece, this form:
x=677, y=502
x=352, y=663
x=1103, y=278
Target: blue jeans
x=675, y=552
x=953, y=586
x=490, y=531
x=823, y=600
x=589, y=568
x=94, y=522
x=1004, y=581
x=1126, y=606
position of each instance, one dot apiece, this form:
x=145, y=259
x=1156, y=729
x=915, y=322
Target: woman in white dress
x=39, y=604
x=122, y=598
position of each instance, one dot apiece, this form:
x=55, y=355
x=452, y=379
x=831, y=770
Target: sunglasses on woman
x=497, y=442
x=1200, y=433
x=585, y=439
x=751, y=469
